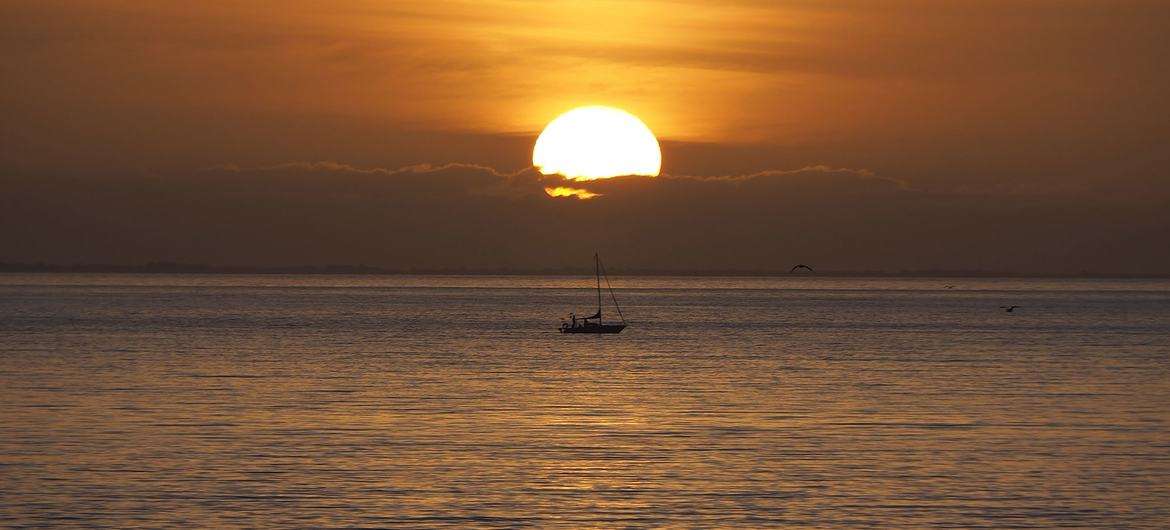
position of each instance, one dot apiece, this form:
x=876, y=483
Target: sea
x=322, y=401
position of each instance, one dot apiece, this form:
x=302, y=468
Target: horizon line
x=162, y=267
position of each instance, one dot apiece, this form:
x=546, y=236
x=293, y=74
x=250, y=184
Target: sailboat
x=594, y=324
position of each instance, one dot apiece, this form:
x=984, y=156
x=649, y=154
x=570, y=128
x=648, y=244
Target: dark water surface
x=211, y=401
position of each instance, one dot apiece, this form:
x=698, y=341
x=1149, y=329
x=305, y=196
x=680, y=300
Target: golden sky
x=748, y=71
x=955, y=96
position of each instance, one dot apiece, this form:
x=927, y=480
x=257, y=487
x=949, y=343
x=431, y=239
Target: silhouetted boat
x=594, y=324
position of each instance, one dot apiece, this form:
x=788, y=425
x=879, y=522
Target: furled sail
x=593, y=323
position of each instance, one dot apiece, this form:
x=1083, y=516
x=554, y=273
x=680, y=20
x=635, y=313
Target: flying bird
x=800, y=266
x=1009, y=308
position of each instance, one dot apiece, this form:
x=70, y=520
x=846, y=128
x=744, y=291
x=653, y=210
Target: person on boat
x=574, y=317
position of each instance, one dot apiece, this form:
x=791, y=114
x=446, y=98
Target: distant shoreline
x=184, y=268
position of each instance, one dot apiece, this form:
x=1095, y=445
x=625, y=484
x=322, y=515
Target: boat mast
x=597, y=272
x=616, y=305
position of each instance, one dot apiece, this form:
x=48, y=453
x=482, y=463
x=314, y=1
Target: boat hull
x=595, y=328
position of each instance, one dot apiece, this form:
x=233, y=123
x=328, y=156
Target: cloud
x=472, y=216
x=327, y=177
x=565, y=191
x=337, y=178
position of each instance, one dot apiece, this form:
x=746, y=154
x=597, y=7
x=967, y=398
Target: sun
x=597, y=142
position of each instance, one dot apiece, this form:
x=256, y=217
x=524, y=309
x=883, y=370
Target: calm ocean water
x=351, y=401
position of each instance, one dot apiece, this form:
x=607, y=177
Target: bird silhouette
x=1009, y=308
x=800, y=266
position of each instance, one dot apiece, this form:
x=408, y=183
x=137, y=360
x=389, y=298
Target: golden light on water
x=597, y=142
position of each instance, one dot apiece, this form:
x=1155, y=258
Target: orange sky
x=986, y=96
x=790, y=72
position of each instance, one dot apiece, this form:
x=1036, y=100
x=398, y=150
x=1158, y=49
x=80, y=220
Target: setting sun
x=597, y=142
